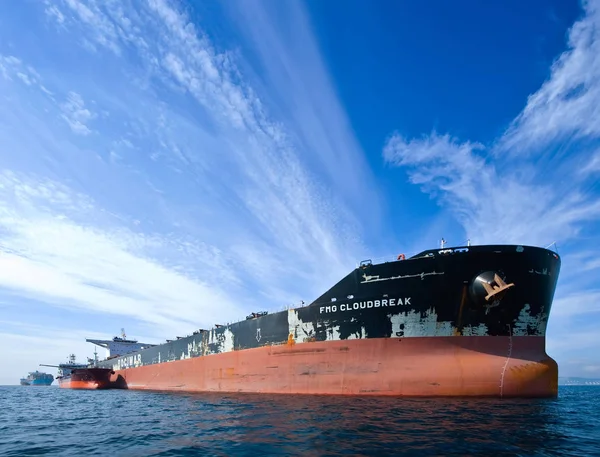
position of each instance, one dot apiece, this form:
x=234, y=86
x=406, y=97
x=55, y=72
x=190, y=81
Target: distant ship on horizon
x=37, y=378
x=578, y=381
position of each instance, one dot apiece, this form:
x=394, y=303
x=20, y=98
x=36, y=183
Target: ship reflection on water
x=297, y=425
x=139, y=424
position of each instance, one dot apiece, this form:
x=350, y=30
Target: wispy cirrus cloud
x=253, y=150
x=76, y=114
x=153, y=186
x=287, y=47
x=577, y=304
x=495, y=200
x=52, y=251
x=593, y=164
x=11, y=67
x=526, y=187
x=535, y=184
x=565, y=107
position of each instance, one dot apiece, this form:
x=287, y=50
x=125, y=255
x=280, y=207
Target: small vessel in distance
x=73, y=375
x=37, y=378
x=461, y=321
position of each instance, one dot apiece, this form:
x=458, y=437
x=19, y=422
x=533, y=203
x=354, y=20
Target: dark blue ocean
x=62, y=422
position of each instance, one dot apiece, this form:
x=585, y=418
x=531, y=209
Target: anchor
x=497, y=290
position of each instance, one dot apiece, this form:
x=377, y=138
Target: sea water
x=62, y=422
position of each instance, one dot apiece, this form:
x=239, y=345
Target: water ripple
x=52, y=421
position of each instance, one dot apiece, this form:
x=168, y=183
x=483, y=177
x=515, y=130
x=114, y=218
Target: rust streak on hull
x=415, y=366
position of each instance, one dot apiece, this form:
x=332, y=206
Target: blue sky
x=165, y=166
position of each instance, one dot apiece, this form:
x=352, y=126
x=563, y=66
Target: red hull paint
x=88, y=385
x=432, y=366
x=87, y=378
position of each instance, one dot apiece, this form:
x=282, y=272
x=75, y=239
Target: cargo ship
x=37, y=378
x=461, y=321
x=73, y=375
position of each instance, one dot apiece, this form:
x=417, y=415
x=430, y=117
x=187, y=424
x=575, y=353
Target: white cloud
x=566, y=106
x=191, y=203
x=300, y=87
x=76, y=114
x=494, y=204
x=593, y=164
x=181, y=55
x=48, y=256
x=504, y=196
x=52, y=10
x=535, y=185
x=577, y=303
x=272, y=183
x=12, y=67
x=89, y=13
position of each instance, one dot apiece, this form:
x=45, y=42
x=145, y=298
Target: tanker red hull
x=428, y=366
x=87, y=378
x=465, y=321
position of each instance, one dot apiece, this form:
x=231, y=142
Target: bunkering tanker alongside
x=73, y=375
x=464, y=321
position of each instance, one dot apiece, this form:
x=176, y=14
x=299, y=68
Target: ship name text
x=386, y=302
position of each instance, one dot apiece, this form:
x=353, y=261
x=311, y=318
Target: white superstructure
x=119, y=345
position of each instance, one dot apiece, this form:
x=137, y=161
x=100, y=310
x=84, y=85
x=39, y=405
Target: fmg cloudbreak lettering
x=369, y=304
